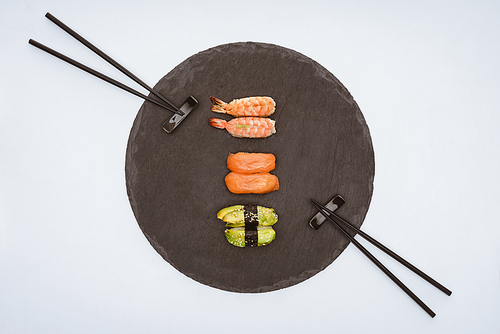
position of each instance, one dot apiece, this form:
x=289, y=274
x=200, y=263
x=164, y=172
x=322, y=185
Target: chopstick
x=110, y=60
x=328, y=215
x=99, y=74
x=386, y=250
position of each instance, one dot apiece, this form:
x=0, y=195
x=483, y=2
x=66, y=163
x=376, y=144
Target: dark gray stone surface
x=175, y=181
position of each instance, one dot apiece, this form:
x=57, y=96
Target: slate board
x=175, y=182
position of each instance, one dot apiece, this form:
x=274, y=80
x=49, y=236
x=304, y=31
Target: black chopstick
x=386, y=271
x=110, y=60
x=99, y=75
x=386, y=250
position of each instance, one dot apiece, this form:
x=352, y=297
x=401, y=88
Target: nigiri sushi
x=240, y=237
x=246, y=127
x=249, y=106
x=236, y=215
x=257, y=183
x=250, y=163
x=249, y=225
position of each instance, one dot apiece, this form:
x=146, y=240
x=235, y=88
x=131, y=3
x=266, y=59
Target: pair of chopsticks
x=338, y=221
x=164, y=104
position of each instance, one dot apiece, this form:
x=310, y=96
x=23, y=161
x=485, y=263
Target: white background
x=424, y=73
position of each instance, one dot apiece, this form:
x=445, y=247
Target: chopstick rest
x=317, y=221
x=337, y=221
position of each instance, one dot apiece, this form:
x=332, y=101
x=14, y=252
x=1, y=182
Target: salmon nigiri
x=257, y=183
x=250, y=163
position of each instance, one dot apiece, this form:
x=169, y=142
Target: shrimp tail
x=217, y=123
x=219, y=105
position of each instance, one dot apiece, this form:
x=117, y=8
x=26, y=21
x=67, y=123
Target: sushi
x=246, y=127
x=240, y=237
x=250, y=173
x=260, y=106
x=248, y=225
x=256, y=183
x=250, y=163
x=234, y=216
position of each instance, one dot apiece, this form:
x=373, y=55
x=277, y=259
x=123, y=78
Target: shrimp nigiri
x=248, y=106
x=257, y=183
x=248, y=127
x=250, y=163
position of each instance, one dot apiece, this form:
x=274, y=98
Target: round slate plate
x=175, y=181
